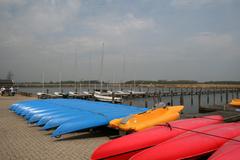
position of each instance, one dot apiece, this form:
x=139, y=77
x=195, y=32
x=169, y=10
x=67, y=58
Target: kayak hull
x=142, y=140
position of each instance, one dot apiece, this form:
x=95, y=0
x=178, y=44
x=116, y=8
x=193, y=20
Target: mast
x=43, y=82
x=101, y=72
x=60, y=82
x=90, y=71
x=75, y=69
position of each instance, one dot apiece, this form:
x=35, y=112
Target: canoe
x=191, y=144
x=147, y=119
x=229, y=151
x=124, y=147
x=235, y=103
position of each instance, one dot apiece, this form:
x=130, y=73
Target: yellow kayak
x=147, y=119
x=235, y=103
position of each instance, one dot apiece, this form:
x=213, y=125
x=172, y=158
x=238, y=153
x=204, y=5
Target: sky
x=143, y=39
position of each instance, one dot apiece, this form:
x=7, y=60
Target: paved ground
x=21, y=141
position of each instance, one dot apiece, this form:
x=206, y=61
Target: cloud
x=12, y=2
x=213, y=40
x=122, y=25
x=196, y=4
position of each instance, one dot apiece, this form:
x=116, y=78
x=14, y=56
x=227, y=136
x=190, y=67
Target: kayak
x=147, y=119
x=71, y=115
x=124, y=147
x=191, y=144
x=229, y=151
x=235, y=103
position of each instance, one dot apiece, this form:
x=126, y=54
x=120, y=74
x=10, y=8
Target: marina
x=78, y=145
x=119, y=80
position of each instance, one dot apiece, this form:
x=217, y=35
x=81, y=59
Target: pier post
x=113, y=97
x=181, y=99
x=232, y=93
x=171, y=98
x=208, y=96
x=221, y=97
x=199, y=98
x=226, y=96
x=155, y=97
x=146, y=101
x=191, y=96
x=159, y=96
x=214, y=96
x=130, y=102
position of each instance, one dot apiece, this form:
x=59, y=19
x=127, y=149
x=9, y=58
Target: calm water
x=189, y=108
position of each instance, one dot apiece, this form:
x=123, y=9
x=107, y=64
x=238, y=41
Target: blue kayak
x=70, y=115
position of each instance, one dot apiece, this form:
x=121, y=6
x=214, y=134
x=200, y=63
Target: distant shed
x=6, y=83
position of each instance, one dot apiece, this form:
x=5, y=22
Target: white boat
x=71, y=93
x=103, y=98
x=86, y=93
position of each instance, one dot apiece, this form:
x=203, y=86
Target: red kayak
x=229, y=151
x=125, y=147
x=191, y=144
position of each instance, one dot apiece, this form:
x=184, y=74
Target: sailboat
x=42, y=94
x=104, y=95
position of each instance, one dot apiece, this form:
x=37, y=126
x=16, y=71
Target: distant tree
x=9, y=75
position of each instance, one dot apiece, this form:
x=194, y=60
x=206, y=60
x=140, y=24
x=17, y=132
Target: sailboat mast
x=75, y=69
x=101, y=72
x=43, y=82
x=60, y=82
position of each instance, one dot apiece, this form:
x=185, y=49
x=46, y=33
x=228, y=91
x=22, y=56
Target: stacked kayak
x=235, y=103
x=191, y=144
x=147, y=119
x=69, y=115
x=229, y=151
x=125, y=147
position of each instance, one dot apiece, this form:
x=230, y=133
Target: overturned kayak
x=191, y=144
x=124, y=147
x=147, y=119
x=235, y=103
x=229, y=151
x=71, y=115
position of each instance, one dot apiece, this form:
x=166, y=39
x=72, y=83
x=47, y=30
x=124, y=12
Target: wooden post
x=221, y=97
x=181, y=99
x=226, y=96
x=171, y=98
x=191, y=96
x=199, y=98
x=208, y=96
x=214, y=96
x=113, y=97
x=154, y=97
x=232, y=93
x=130, y=102
x=159, y=96
x=146, y=101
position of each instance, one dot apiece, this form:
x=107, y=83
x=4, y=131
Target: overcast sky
x=143, y=39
